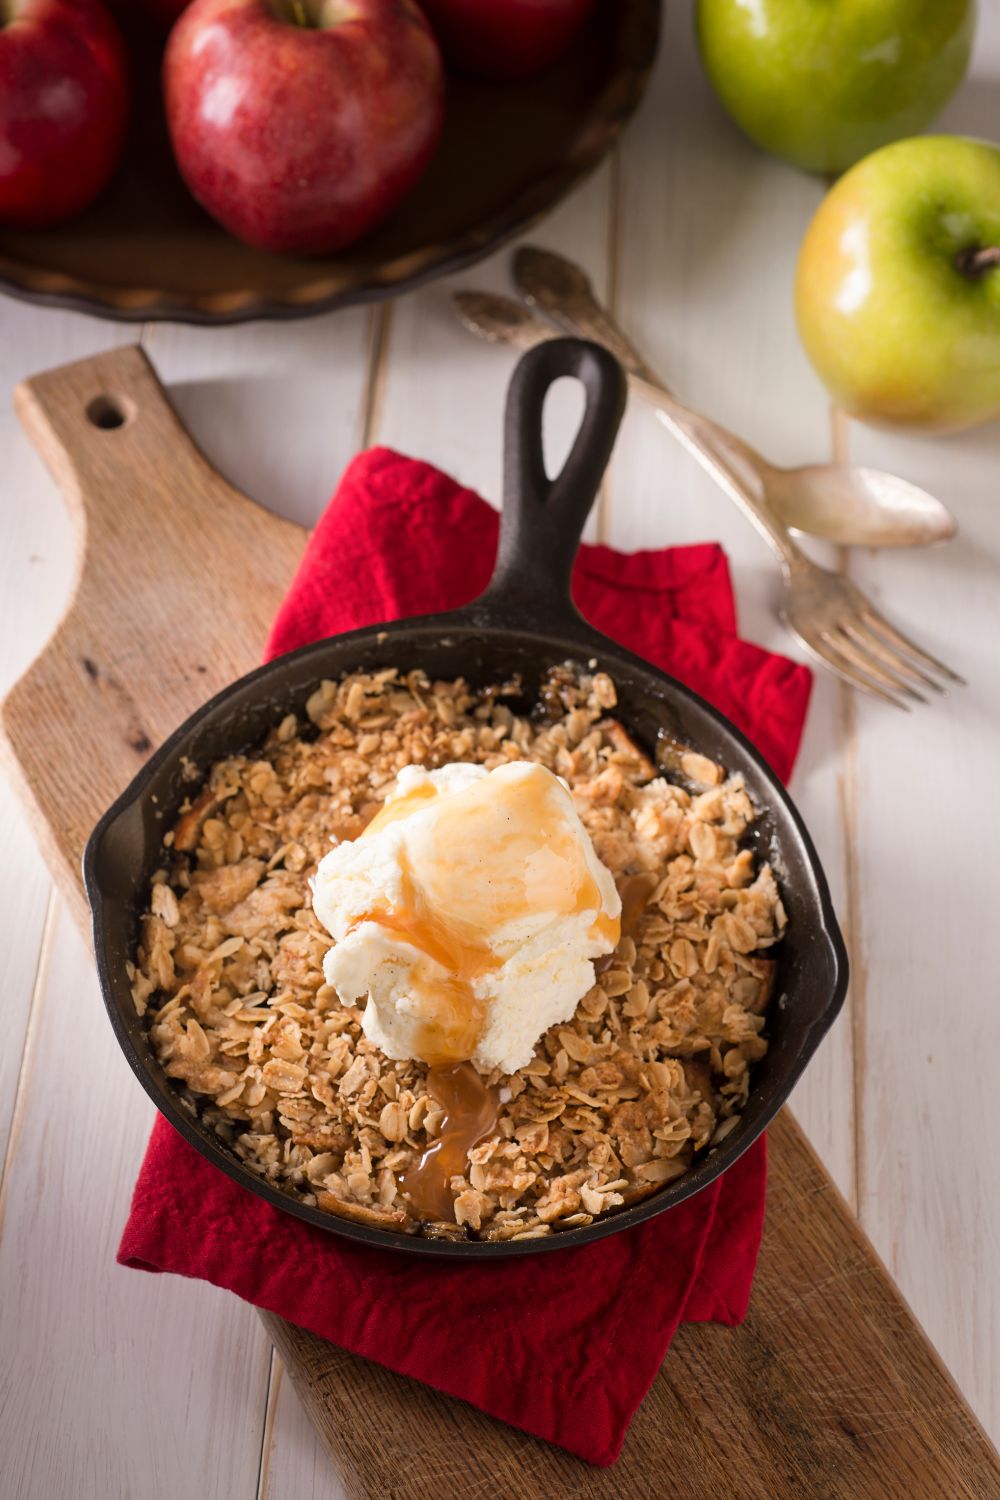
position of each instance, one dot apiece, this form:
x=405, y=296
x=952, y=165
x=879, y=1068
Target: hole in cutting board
x=108, y=412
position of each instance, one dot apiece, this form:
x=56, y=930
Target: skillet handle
x=543, y=519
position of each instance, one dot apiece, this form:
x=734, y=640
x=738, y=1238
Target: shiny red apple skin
x=63, y=108
x=302, y=139
x=505, y=40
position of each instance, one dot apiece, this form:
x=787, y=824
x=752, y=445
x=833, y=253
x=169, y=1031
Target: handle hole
x=562, y=413
x=108, y=412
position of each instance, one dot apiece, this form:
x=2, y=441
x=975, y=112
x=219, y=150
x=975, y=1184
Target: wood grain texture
x=830, y=1389
x=35, y=575
x=150, y=1387
x=429, y=359
x=161, y=540
x=928, y=820
x=280, y=408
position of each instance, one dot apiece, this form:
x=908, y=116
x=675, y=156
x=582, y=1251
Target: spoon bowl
x=857, y=507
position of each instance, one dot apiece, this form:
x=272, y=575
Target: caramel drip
x=492, y=858
x=635, y=891
x=450, y=1012
x=400, y=807
x=470, y=1113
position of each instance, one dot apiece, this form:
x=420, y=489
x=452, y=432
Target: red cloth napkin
x=565, y=1344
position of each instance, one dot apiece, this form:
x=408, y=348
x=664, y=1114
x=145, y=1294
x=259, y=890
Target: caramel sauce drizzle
x=635, y=891
x=470, y=1114
x=447, y=918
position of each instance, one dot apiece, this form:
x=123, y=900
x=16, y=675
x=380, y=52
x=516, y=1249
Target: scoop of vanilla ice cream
x=469, y=912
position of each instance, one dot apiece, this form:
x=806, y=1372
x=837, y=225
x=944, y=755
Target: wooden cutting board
x=829, y=1390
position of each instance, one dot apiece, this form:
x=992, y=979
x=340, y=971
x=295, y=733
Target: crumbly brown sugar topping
x=654, y=1066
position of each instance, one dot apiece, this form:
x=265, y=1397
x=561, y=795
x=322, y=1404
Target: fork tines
x=868, y=652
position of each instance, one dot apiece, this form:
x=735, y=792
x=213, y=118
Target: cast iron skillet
x=523, y=624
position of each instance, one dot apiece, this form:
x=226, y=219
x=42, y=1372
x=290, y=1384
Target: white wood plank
x=24, y=895
x=36, y=543
x=278, y=407
x=823, y=1101
x=295, y=1465
x=707, y=235
x=929, y=817
x=928, y=824
x=113, y=1382
x=36, y=568
x=442, y=394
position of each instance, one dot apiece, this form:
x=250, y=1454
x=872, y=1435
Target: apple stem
x=975, y=261
x=295, y=12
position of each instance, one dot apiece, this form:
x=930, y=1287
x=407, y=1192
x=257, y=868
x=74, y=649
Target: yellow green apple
x=822, y=83
x=897, y=291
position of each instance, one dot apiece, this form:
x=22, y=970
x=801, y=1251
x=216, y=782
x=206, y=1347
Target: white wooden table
x=118, y=1384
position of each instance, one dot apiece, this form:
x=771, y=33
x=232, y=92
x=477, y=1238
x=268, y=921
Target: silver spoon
x=841, y=503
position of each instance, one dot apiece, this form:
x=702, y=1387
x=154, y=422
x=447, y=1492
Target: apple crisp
x=654, y=1066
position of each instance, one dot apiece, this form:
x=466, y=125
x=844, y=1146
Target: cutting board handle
x=177, y=575
x=104, y=426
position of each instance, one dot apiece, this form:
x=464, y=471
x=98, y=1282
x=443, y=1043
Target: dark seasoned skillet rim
x=536, y=709
x=244, y=714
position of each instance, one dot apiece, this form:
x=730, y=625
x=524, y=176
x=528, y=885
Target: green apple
x=822, y=83
x=897, y=292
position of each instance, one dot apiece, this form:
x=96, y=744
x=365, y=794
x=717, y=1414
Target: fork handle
x=708, y=443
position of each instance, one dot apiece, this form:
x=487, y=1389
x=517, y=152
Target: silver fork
x=836, y=623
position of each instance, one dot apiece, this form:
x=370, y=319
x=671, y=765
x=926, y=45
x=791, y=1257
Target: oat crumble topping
x=653, y=1068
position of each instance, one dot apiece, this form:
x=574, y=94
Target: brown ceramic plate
x=145, y=250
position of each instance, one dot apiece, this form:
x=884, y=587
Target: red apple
x=299, y=124
x=63, y=107
x=505, y=39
